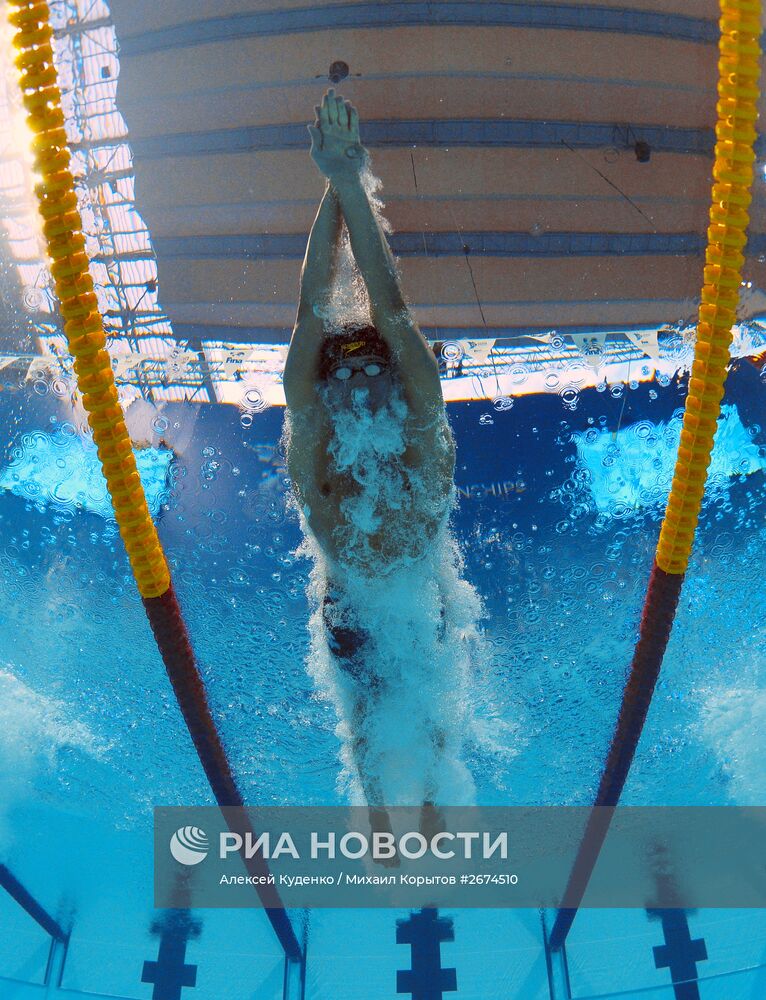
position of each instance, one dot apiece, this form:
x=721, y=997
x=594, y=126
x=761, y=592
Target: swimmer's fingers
x=330, y=108
x=322, y=113
x=341, y=113
x=353, y=120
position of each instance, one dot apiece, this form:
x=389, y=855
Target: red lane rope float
x=738, y=72
x=84, y=329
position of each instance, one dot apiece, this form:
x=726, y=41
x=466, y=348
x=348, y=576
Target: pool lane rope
x=739, y=53
x=84, y=329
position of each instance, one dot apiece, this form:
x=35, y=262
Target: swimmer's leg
x=360, y=750
x=431, y=817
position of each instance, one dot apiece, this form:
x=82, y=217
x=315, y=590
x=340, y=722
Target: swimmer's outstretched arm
x=339, y=154
x=300, y=372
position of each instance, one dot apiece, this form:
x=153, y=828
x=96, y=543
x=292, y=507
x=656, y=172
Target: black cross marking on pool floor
x=424, y=932
x=680, y=953
x=170, y=973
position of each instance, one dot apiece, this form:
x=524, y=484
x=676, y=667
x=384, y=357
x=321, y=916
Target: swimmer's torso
x=372, y=494
x=391, y=529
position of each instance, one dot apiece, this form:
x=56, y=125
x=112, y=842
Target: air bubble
x=570, y=397
x=452, y=350
x=502, y=403
x=34, y=298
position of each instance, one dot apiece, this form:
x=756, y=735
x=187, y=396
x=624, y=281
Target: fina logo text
x=189, y=845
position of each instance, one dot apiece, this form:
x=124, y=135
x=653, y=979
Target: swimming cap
x=352, y=341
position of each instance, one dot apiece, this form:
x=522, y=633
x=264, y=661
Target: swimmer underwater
x=335, y=375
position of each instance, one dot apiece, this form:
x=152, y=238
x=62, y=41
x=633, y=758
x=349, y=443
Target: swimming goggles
x=344, y=372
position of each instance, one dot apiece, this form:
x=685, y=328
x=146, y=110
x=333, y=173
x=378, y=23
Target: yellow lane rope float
x=83, y=326
x=87, y=344
x=739, y=68
x=738, y=72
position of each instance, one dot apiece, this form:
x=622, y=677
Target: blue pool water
x=557, y=525
x=523, y=216
x=521, y=221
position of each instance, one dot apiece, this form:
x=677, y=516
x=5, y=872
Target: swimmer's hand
x=335, y=145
